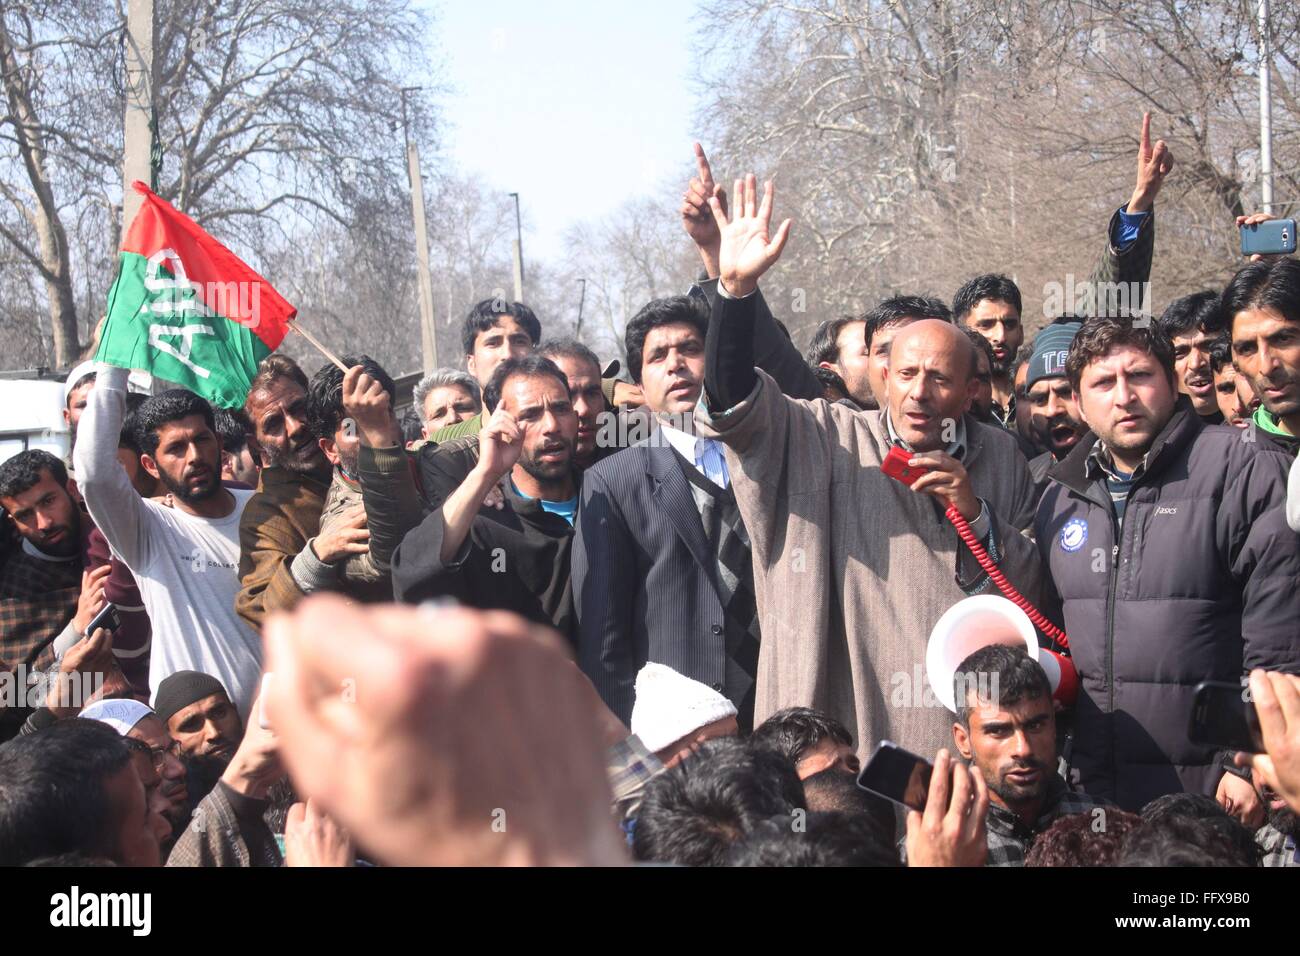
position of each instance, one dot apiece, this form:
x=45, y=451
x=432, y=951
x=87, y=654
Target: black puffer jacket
x=1203, y=584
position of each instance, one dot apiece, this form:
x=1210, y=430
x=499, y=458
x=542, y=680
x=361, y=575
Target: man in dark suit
x=661, y=561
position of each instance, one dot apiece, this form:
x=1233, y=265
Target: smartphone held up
x=1224, y=718
x=1273, y=237
x=107, y=618
x=898, y=775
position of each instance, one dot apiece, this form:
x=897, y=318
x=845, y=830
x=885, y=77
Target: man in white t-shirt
x=183, y=548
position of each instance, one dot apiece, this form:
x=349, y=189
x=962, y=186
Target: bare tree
x=271, y=114
x=469, y=246
x=47, y=159
x=919, y=142
x=635, y=254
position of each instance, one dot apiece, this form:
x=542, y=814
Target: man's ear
x=150, y=465
x=972, y=387
x=255, y=447
x=67, y=418
x=330, y=449
x=1079, y=405
x=961, y=739
x=74, y=492
x=833, y=366
x=470, y=366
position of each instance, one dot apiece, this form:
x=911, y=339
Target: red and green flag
x=187, y=309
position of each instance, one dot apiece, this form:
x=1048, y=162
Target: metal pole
x=1265, y=113
x=518, y=252
x=137, y=138
x=428, y=332
x=577, y=329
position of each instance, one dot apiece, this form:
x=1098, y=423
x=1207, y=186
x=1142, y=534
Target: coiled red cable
x=998, y=578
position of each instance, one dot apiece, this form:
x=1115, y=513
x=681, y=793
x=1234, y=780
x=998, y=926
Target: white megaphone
x=979, y=621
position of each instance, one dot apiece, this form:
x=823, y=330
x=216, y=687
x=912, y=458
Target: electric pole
x=519, y=252
x=577, y=330
x=138, y=135
x=428, y=331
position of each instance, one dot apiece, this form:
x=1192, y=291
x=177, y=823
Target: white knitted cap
x=78, y=373
x=670, y=705
x=120, y=714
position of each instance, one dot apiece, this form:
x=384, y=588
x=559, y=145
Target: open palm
x=748, y=249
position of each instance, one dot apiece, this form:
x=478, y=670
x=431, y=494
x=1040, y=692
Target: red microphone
x=1067, y=688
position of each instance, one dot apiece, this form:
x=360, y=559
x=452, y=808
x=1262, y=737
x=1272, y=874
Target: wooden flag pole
x=293, y=324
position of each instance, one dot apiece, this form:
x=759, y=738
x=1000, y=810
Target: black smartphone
x=1223, y=718
x=106, y=618
x=1274, y=237
x=897, y=775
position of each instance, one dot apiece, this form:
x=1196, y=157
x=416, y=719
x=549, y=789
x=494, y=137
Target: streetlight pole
x=577, y=330
x=428, y=331
x=1265, y=113
x=519, y=252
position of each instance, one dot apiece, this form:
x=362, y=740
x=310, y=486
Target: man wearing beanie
x=1054, y=419
x=674, y=714
x=228, y=827
x=199, y=715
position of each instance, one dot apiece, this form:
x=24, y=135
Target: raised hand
x=370, y=406
x=747, y=248
x=256, y=765
x=91, y=599
x=1277, y=702
x=470, y=739
x=1154, y=164
x=697, y=218
x=951, y=831
x=91, y=657
x=500, y=443
x=1254, y=219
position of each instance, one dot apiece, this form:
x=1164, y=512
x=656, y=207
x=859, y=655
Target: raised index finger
x=706, y=171
x=1146, y=133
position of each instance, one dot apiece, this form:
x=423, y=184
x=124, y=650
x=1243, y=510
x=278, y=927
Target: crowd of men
x=569, y=618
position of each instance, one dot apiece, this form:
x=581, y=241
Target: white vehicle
x=31, y=412
x=31, y=416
